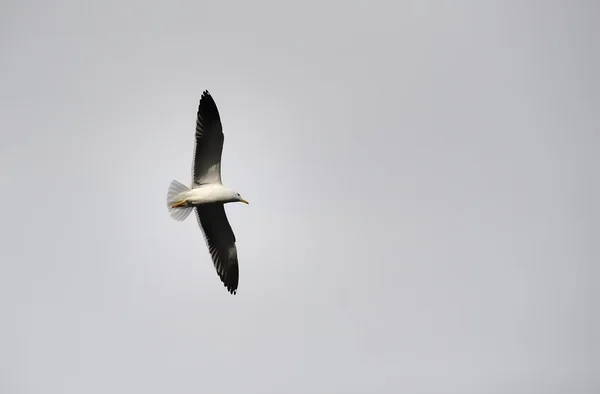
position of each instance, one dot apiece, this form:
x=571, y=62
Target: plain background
x=423, y=187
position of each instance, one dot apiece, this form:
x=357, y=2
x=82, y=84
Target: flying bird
x=207, y=195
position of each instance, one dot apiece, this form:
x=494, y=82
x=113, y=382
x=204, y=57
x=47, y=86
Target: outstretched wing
x=221, y=243
x=209, y=142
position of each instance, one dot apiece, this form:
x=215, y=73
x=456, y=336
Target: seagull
x=207, y=194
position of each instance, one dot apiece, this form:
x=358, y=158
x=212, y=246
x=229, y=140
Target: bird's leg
x=180, y=204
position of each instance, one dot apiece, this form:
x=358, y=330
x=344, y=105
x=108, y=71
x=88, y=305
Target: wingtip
x=207, y=108
x=230, y=285
x=231, y=288
x=207, y=99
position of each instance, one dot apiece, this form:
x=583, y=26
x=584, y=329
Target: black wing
x=221, y=243
x=209, y=142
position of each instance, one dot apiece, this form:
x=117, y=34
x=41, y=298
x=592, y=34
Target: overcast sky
x=423, y=188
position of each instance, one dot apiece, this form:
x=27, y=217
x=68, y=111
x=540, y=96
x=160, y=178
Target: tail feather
x=176, y=189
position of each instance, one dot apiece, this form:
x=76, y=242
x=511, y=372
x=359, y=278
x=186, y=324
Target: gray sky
x=423, y=187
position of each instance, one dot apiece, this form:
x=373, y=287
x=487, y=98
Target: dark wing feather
x=209, y=142
x=221, y=243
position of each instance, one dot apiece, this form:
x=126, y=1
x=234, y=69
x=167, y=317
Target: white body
x=181, y=199
x=207, y=194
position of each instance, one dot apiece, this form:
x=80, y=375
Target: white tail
x=173, y=196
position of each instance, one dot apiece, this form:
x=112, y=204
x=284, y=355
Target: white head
x=234, y=196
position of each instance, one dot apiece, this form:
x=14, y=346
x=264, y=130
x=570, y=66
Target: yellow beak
x=244, y=201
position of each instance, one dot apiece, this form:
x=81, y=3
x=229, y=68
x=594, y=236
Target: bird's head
x=239, y=198
x=226, y=195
